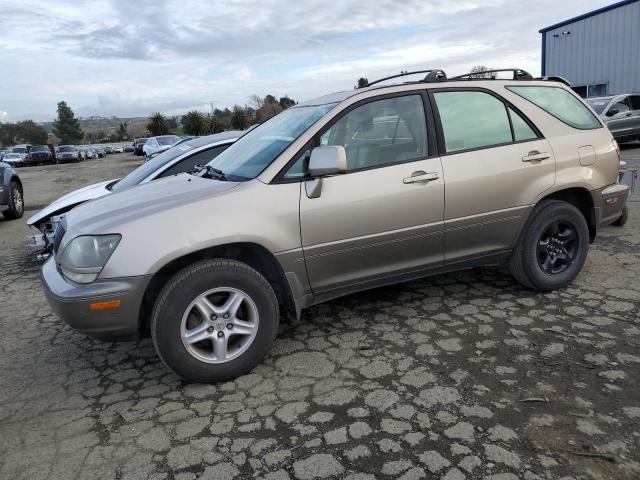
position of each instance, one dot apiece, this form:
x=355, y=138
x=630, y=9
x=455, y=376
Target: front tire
x=16, y=202
x=552, y=248
x=214, y=321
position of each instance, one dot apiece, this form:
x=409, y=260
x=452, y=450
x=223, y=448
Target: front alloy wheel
x=214, y=320
x=219, y=325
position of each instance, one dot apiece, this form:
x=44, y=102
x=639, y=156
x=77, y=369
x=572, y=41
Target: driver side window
x=381, y=132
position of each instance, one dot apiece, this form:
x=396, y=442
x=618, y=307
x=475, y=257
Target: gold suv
x=350, y=191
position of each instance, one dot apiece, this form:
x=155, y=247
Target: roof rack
x=553, y=78
x=435, y=75
x=518, y=74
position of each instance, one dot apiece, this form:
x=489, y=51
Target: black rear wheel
x=552, y=248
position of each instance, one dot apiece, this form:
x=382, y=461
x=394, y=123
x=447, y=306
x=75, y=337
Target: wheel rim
x=557, y=247
x=219, y=325
x=17, y=200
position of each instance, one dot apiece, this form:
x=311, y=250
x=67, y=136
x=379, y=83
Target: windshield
x=19, y=150
x=67, y=149
x=167, y=140
x=12, y=155
x=39, y=149
x=146, y=169
x=254, y=151
x=598, y=104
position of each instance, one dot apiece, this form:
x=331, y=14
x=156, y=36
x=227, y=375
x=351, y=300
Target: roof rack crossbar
x=434, y=75
x=518, y=74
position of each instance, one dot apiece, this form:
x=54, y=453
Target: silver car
x=178, y=160
x=346, y=192
x=156, y=145
x=621, y=113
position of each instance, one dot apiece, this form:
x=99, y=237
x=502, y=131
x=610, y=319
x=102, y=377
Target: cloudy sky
x=133, y=57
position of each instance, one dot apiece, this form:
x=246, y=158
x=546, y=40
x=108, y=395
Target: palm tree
x=193, y=123
x=239, y=119
x=214, y=125
x=158, y=124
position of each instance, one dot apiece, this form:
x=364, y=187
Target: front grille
x=57, y=237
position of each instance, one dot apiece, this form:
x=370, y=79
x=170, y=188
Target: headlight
x=84, y=257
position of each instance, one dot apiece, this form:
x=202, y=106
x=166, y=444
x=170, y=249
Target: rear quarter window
x=559, y=103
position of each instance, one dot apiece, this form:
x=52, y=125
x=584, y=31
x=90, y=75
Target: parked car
x=108, y=149
x=128, y=148
x=155, y=145
x=38, y=155
x=350, y=191
x=100, y=152
x=183, y=158
x=23, y=149
x=91, y=154
x=621, y=113
x=11, y=193
x=118, y=150
x=138, y=144
x=3, y=153
x=14, y=159
x=67, y=153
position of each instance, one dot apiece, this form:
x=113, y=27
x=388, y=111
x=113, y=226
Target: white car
x=13, y=159
x=183, y=158
x=156, y=145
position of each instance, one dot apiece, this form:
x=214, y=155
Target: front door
x=495, y=165
x=383, y=219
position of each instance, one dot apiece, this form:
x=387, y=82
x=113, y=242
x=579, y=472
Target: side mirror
x=612, y=112
x=327, y=160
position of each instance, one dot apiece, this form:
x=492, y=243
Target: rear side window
x=472, y=120
x=559, y=103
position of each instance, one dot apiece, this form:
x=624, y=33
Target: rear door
x=495, y=164
x=384, y=217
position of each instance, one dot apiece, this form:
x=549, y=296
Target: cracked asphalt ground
x=461, y=376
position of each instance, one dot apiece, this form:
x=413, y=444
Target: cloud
x=122, y=57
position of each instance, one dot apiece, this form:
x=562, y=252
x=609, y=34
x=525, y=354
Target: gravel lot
x=462, y=376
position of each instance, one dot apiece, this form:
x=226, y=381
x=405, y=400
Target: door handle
x=628, y=114
x=421, y=177
x=535, y=156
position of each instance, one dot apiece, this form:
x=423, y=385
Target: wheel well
x=254, y=255
x=16, y=179
x=582, y=200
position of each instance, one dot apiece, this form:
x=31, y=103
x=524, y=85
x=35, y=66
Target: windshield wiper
x=213, y=173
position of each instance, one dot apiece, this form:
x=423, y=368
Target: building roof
x=587, y=15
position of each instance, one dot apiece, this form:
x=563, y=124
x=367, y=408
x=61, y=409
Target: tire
x=16, y=202
x=547, y=258
x=622, y=220
x=175, y=314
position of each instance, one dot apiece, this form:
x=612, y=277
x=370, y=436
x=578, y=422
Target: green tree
x=158, y=124
x=362, y=82
x=26, y=131
x=214, y=125
x=66, y=127
x=285, y=102
x=122, y=131
x=239, y=118
x=479, y=71
x=193, y=123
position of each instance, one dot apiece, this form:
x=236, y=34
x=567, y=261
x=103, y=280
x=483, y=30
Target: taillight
x=617, y=147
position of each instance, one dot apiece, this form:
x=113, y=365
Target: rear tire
x=552, y=248
x=622, y=220
x=194, y=302
x=16, y=202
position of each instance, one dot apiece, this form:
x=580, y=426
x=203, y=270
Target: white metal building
x=598, y=52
